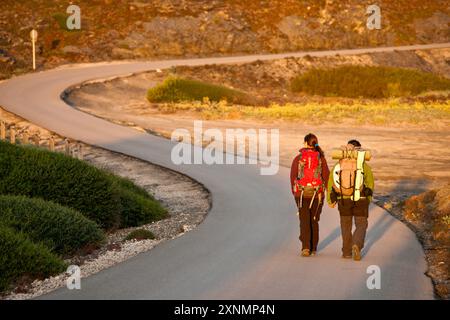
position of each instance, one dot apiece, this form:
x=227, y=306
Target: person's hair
x=355, y=143
x=312, y=141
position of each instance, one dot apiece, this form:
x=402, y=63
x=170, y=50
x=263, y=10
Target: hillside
x=172, y=28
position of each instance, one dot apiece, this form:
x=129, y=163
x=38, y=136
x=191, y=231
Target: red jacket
x=294, y=172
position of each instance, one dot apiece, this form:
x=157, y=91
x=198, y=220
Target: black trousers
x=309, y=222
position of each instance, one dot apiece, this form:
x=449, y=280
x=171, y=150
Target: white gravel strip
x=108, y=259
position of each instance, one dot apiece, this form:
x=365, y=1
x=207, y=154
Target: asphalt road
x=247, y=247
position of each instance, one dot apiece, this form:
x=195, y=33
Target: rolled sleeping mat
x=338, y=154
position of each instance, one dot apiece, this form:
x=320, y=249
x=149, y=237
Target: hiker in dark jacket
x=309, y=174
x=349, y=207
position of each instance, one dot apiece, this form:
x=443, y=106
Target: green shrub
x=21, y=258
x=98, y=195
x=127, y=184
x=61, y=229
x=64, y=180
x=138, y=209
x=140, y=234
x=61, y=19
x=368, y=82
x=175, y=89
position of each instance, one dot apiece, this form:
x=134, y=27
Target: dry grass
x=381, y=112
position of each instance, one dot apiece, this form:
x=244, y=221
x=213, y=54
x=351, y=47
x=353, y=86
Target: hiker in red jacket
x=309, y=174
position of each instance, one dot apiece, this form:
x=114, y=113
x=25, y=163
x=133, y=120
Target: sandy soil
x=407, y=160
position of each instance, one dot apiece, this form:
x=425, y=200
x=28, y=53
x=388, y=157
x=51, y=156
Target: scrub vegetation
x=368, y=82
x=175, y=89
x=53, y=207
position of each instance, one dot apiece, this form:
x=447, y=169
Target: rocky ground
x=187, y=201
x=428, y=215
x=130, y=29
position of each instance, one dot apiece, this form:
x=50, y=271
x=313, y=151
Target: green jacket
x=369, y=182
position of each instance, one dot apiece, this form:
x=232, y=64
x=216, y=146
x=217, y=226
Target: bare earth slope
x=130, y=29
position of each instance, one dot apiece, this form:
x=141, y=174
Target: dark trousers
x=309, y=223
x=353, y=211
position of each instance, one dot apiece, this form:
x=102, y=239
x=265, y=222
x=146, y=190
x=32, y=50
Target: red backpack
x=309, y=180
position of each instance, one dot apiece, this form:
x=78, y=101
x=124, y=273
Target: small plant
x=140, y=234
x=388, y=206
x=20, y=257
x=308, y=58
x=61, y=19
x=446, y=220
x=206, y=101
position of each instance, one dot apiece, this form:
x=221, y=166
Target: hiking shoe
x=313, y=253
x=305, y=253
x=356, y=253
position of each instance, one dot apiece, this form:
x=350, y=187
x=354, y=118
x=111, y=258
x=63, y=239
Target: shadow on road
x=406, y=188
x=377, y=231
x=329, y=239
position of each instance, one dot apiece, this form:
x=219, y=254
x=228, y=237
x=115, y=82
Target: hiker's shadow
x=402, y=190
x=377, y=231
x=330, y=238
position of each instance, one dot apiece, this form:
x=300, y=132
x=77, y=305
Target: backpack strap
x=300, y=167
x=318, y=205
x=318, y=170
x=340, y=184
x=301, y=199
x=312, y=199
x=359, y=176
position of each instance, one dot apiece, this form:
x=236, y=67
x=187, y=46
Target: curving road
x=247, y=247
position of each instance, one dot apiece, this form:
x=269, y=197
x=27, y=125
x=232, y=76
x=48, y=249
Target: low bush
x=175, y=89
x=61, y=229
x=98, y=195
x=138, y=209
x=368, y=82
x=22, y=258
x=61, y=19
